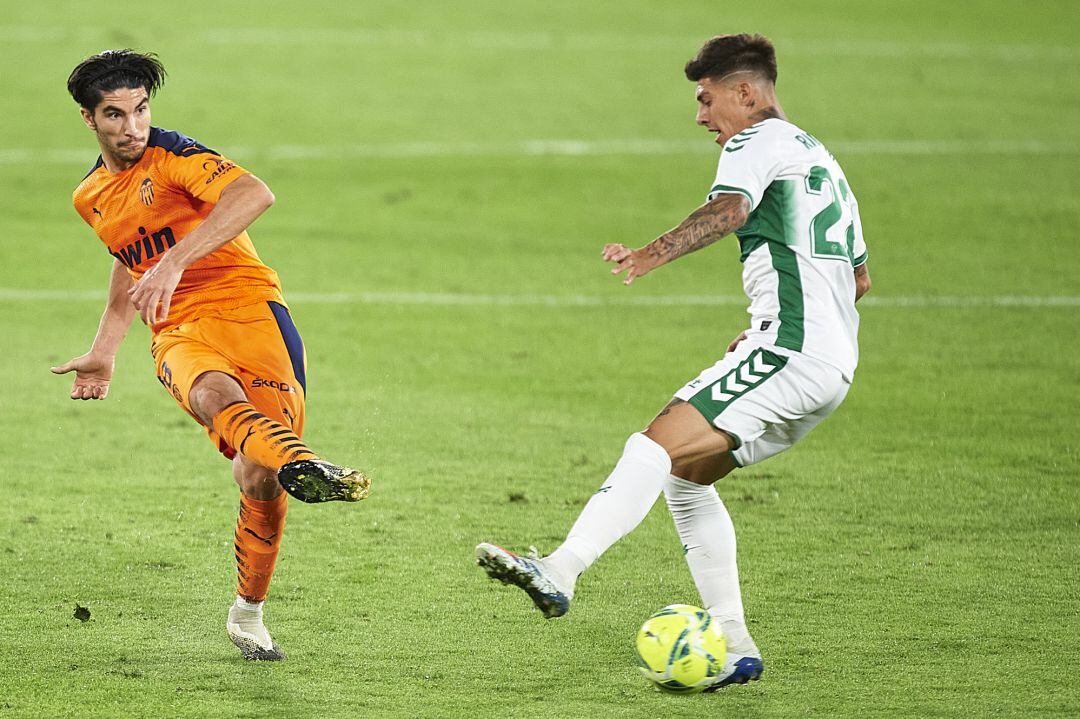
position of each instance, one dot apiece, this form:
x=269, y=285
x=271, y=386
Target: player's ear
x=88, y=118
x=746, y=94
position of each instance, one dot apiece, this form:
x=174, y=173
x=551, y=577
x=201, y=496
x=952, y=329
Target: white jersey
x=800, y=244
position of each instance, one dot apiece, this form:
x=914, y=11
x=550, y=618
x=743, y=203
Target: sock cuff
x=673, y=484
x=265, y=508
x=248, y=605
x=641, y=447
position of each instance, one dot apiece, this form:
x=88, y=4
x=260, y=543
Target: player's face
x=721, y=108
x=121, y=122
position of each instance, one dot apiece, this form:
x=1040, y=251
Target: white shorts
x=766, y=398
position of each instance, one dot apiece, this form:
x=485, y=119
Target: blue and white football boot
x=528, y=573
x=738, y=669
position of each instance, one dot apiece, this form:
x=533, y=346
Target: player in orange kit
x=174, y=215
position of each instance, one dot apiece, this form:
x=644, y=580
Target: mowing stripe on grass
x=533, y=40
x=19, y=294
x=555, y=148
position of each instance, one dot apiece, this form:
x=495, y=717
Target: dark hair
x=725, y=54
x=112, y=70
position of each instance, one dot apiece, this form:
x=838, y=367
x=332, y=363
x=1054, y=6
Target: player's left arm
x=715, y=219
x=240, y=204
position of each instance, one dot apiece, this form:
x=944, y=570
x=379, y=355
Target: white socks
x=620, y=504
x=249, y=606
x=708, y=538
x=704, y=526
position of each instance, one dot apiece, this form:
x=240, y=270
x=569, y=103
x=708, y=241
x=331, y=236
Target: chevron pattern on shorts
x=748, y=374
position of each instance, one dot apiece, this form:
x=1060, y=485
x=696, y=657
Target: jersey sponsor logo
x=145, y=247
x=272, y=384
x=807, y=140
x=146, y=192
x=217, y=167
x=765, y=325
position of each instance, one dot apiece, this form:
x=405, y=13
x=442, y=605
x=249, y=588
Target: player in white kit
x=804, y=266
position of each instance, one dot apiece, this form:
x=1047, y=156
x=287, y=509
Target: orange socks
x=259, y=438
x=258, y=538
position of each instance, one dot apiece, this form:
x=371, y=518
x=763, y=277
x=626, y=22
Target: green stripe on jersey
x=774, y=217
x=789, y=289
x=860, y=260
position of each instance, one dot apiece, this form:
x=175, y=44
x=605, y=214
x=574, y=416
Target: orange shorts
x=257, y=345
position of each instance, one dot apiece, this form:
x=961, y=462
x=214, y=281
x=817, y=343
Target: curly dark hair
x=725, y=54
x=112, y=70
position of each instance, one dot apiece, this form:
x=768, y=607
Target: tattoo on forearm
x=705, y=225
x=861, y=270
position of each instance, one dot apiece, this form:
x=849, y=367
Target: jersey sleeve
x=749, y=162
x=202, y=173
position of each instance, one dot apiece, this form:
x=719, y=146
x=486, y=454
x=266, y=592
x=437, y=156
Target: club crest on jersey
x=217, y=167
x=146, y=191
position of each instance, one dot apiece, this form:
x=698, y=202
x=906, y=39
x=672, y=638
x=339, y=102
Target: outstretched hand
x=634, y=262
x=92, y=375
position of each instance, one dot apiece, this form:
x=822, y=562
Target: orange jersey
x=141, y=212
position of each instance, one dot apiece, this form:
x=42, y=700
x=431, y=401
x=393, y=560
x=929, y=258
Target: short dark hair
x=112, y=70
x=725, y=54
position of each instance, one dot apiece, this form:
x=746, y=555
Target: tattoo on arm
x=705, y=225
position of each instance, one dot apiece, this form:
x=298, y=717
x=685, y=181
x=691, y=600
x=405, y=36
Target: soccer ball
x=681, y=649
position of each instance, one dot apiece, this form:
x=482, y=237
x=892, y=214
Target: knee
x=254, y=480
x=213, y=392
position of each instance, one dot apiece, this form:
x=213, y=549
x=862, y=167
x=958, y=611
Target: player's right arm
x=94, y=370
x=715, y=219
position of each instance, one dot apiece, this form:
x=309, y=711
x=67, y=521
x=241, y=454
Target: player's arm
x=705, y=225
x=862, y=281
x=240, y=204
x=94, y=370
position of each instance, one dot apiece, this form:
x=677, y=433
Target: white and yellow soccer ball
x=681, y=649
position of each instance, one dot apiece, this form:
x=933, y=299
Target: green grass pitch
x=916, y=556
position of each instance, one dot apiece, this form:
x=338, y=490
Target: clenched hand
x=152, y=294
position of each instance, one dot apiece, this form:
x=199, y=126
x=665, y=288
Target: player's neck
x=115, y=164
x=765, y=107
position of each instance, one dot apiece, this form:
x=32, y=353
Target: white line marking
x=448, y=299
x=558, y=148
